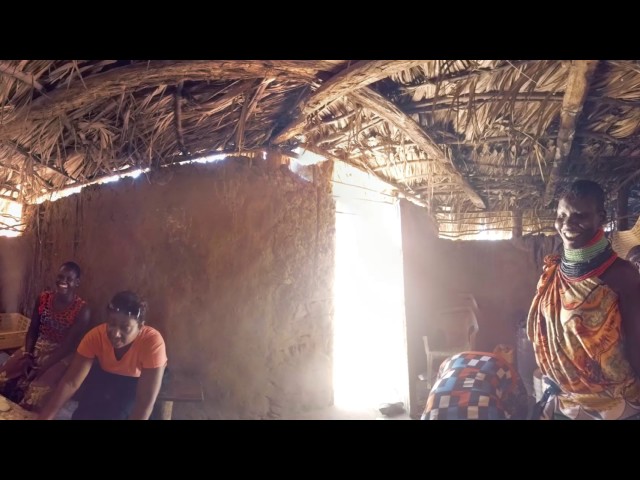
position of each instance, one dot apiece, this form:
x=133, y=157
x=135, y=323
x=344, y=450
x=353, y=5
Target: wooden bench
x=176, y=389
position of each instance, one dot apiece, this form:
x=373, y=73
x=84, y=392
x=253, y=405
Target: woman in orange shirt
x=119, y=365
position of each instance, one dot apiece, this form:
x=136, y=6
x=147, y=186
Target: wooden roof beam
x=247, y=109
x=402, y=189
x=462, y=101
x=578, y=82
x=150, y=74
x=23, y=151
x=392, y=114
x=357, y=76
x=468, y=74
x=27, y=78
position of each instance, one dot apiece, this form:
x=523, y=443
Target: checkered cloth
x=476, y=386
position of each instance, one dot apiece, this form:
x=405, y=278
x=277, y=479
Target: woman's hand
x=34, y=373
x=36, y=368
x=28, y=363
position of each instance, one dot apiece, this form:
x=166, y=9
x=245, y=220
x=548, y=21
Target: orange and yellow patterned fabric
x=576, y=330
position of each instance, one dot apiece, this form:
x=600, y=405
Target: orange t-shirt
x=146, y=351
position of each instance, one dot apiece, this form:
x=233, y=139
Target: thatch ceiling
x=470, y=139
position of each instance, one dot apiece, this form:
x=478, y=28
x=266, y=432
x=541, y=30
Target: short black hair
x=129, y=303
x=585, y=189
x=74, y=267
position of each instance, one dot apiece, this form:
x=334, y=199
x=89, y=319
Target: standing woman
x=584, y=321
x=59, y=320
x=118, y=367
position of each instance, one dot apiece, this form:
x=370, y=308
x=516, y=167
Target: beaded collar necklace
x=589, y=261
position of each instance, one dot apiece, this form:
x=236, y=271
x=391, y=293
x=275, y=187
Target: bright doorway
x=370, y=351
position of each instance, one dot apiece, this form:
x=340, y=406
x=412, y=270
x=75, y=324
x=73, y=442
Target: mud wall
x=502, y=275
x=236, y=262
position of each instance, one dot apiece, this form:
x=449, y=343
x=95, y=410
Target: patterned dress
x=54, y=326
x=576, y=330
x=476, y=386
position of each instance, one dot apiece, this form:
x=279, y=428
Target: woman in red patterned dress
x=60, y=319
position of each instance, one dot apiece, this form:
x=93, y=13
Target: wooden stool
x=176, y=389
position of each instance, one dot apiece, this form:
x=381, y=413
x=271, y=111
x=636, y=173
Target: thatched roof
x=472, y=140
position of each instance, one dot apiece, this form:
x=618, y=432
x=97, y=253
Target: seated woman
x=477, y=386
x=59, y=321
x=125, y=380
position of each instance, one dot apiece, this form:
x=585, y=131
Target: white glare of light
x=308, y=158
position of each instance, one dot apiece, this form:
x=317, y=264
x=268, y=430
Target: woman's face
x=122, y=329
x=66, y=281
x=578, y=220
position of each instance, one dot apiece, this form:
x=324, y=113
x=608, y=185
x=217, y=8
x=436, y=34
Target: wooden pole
x=622, y=209
x=517, y=224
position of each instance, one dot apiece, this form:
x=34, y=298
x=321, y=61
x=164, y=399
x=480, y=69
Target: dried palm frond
x=495, y=122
